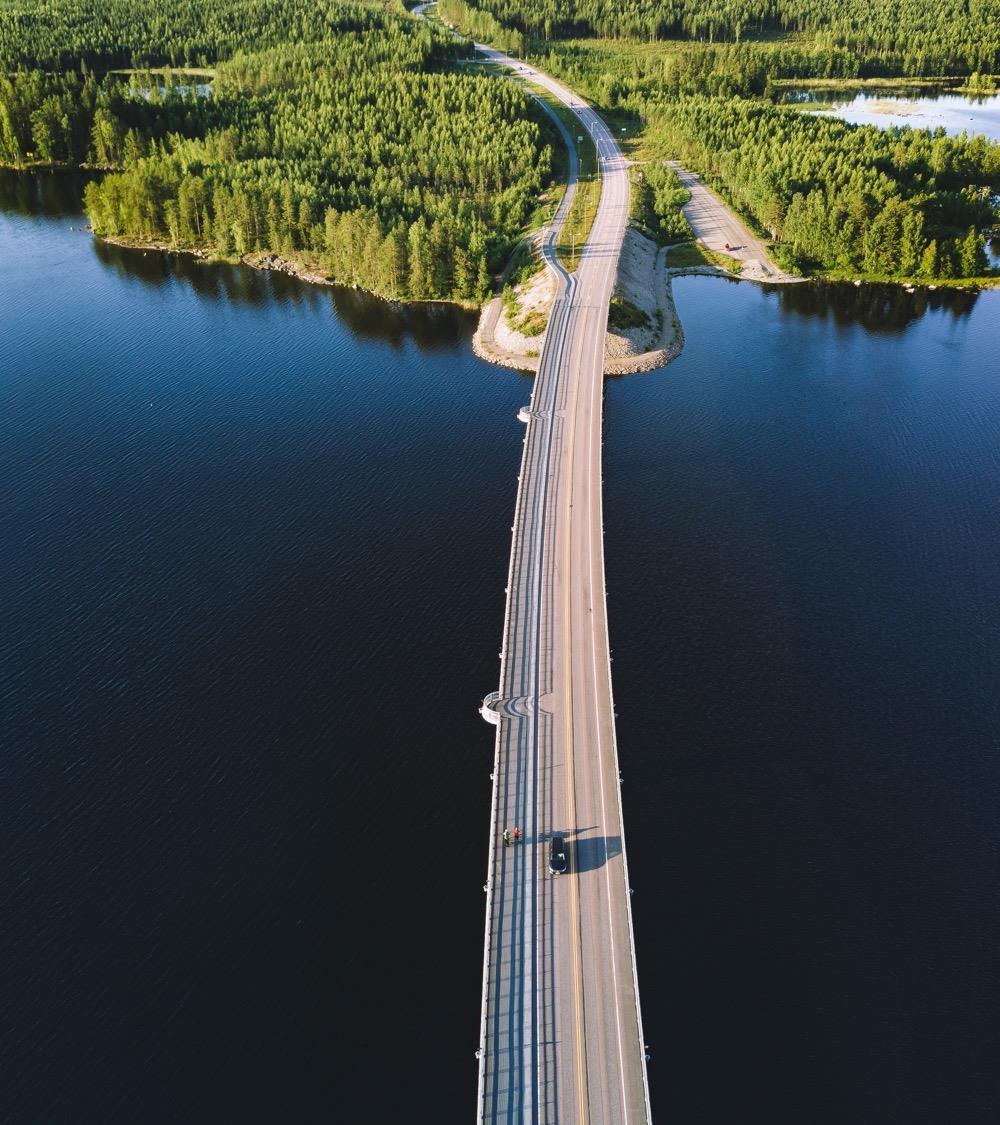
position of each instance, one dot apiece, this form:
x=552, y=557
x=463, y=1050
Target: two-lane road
x=561, y=1034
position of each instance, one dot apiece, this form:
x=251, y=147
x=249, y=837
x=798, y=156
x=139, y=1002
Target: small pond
x=926, y=108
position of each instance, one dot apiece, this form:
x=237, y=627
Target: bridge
x=561, y=1037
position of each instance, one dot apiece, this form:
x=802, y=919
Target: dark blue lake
x=803, y=540
x=253, y=544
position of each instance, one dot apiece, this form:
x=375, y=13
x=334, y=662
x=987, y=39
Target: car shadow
x=588, y=853
x=592, y=852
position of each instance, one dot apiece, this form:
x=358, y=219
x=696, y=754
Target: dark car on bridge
x=557, y=856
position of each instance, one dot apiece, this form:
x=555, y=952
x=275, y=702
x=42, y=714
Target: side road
x=715, y=225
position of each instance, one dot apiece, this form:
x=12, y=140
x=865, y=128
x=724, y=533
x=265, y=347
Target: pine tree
x=304, y=224
x=106, y=138
x=133, y=149
x=420, y=264
x=394, y=262
x=482, y=279
x=972, y=256
x=171, y=217
x=911, y=244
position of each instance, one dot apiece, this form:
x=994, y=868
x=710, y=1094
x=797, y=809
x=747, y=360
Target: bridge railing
x=495, y=798
x=621, y=816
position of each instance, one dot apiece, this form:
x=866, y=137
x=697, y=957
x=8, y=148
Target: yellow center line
x=577, y=956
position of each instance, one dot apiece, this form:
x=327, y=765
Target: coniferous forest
x=842, y=198
x=836, y=198
x=364, y=143
x=344, y=135
x=901, y=36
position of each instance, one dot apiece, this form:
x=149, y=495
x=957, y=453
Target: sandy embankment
x=498, y=341
x=642, y=280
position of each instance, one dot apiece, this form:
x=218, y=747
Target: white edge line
x=561, y=276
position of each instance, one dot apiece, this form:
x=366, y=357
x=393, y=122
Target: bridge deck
x=561, y=1037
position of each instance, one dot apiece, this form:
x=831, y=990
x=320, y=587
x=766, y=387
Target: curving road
x=561, y=1037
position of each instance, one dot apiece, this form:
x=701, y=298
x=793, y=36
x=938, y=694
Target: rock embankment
x=273, y=263
x=644, y=283
x=498, y=338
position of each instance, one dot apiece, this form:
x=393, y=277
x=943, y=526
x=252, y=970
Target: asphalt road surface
x=718, y=228
x=561, y=1034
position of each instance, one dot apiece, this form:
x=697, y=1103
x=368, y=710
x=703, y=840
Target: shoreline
x=669, y=346
x=270, y=262
x=670, y=343
x=644, y=280
x=267, y=262
x=955, y=84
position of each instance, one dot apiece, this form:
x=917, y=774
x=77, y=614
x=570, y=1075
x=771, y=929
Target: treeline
x=899, y=203
x=441, y=259
x=72, y=120
x=355, y=154
x=98, y=35
x=481, y=26
x=613, y=76
x=917, y=37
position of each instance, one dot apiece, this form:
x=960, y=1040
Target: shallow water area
x=919, y=108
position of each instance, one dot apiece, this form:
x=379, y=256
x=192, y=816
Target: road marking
x=535, y=562
x=581, y=1084
x=604, y=812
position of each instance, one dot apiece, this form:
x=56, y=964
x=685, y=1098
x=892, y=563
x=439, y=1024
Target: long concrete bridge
x=561, y=1037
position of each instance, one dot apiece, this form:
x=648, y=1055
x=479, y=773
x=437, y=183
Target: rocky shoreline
x=643, y=281
x=272, y=263
x=268, y=263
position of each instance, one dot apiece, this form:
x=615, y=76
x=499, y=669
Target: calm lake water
x=804, y=602
x=254, y=543
x=919, y=108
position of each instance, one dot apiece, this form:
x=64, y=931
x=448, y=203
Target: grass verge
x=625, y=314
x=691, y=254
x=576, y=229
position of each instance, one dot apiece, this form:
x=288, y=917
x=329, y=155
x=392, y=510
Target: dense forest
x=893, y=203
x=361, y=150
x=100, y=35
x=904, y=36
x=352, y=138
x=46, y=117
x=833, y=197
x=616, y=73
